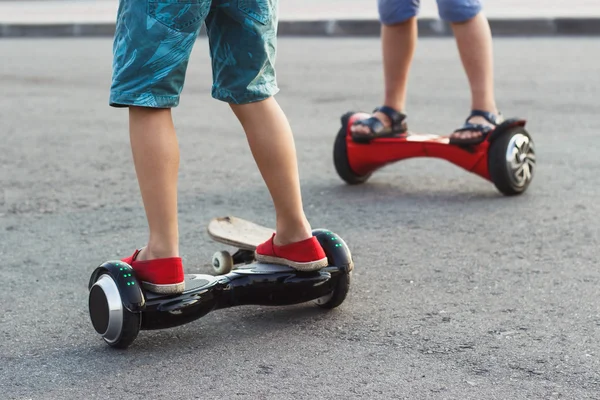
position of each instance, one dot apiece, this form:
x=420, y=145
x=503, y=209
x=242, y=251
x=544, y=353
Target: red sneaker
x=163, y=275
x=307, y=255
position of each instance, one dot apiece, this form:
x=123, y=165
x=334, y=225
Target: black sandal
x=483, y=129
x=397, y=127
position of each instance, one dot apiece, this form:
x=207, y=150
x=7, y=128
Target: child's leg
x=474, y=42
x=242, y=38
x=272, y=145
x=398, y=40
x=156, y=158
x=152, y=44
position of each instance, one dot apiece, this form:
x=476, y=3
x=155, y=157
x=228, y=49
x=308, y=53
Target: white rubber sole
x=309, y=266
x=164, y=289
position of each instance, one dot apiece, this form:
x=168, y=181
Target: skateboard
x=239, y=233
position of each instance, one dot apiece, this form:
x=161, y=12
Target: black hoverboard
x=119, y=307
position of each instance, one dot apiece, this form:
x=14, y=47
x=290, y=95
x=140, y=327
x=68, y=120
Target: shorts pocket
x=259, y=10
x=179, y=14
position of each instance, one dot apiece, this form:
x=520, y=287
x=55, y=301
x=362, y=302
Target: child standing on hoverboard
x=399, y=38
x=152, y=45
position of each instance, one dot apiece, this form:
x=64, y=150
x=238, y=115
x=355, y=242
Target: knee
x=456, y=11
x=397, y=11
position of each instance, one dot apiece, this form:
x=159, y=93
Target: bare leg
x=398, y=47
x=272, y=145
x=474, y=42
x=156, y=158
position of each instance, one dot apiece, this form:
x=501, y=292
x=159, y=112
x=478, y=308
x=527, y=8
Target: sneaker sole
x=307, y=266
x=176, y=288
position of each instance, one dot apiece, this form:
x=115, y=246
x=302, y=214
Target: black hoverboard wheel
x=340, y=155
x=115, y=301
x=512, y=161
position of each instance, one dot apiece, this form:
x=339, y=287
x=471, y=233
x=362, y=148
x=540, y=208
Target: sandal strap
x=395, y=117
x=484, y=129
x=488, y=116
x=372, y=123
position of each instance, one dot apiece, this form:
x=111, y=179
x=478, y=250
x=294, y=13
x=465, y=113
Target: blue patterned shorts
x=154, y=40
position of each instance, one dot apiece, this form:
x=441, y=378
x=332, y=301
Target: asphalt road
x=458, y=293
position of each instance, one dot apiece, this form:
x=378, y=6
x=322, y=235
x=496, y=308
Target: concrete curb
x=428, y=27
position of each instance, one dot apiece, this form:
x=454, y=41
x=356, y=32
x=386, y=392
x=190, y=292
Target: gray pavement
x=459, y=293
x=50, y=18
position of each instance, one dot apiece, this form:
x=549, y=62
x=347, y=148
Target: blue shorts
x=154, y=40
x=397, y=11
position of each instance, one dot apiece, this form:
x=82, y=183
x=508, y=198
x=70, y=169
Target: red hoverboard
x=506, y=157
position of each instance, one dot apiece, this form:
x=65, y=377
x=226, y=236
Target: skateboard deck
x=238, y=232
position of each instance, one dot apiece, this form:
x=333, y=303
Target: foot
x=385, y=122
x=477, y=126
x=159, y=275
x=304, y=255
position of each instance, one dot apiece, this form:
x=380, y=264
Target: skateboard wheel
x=222, y=262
